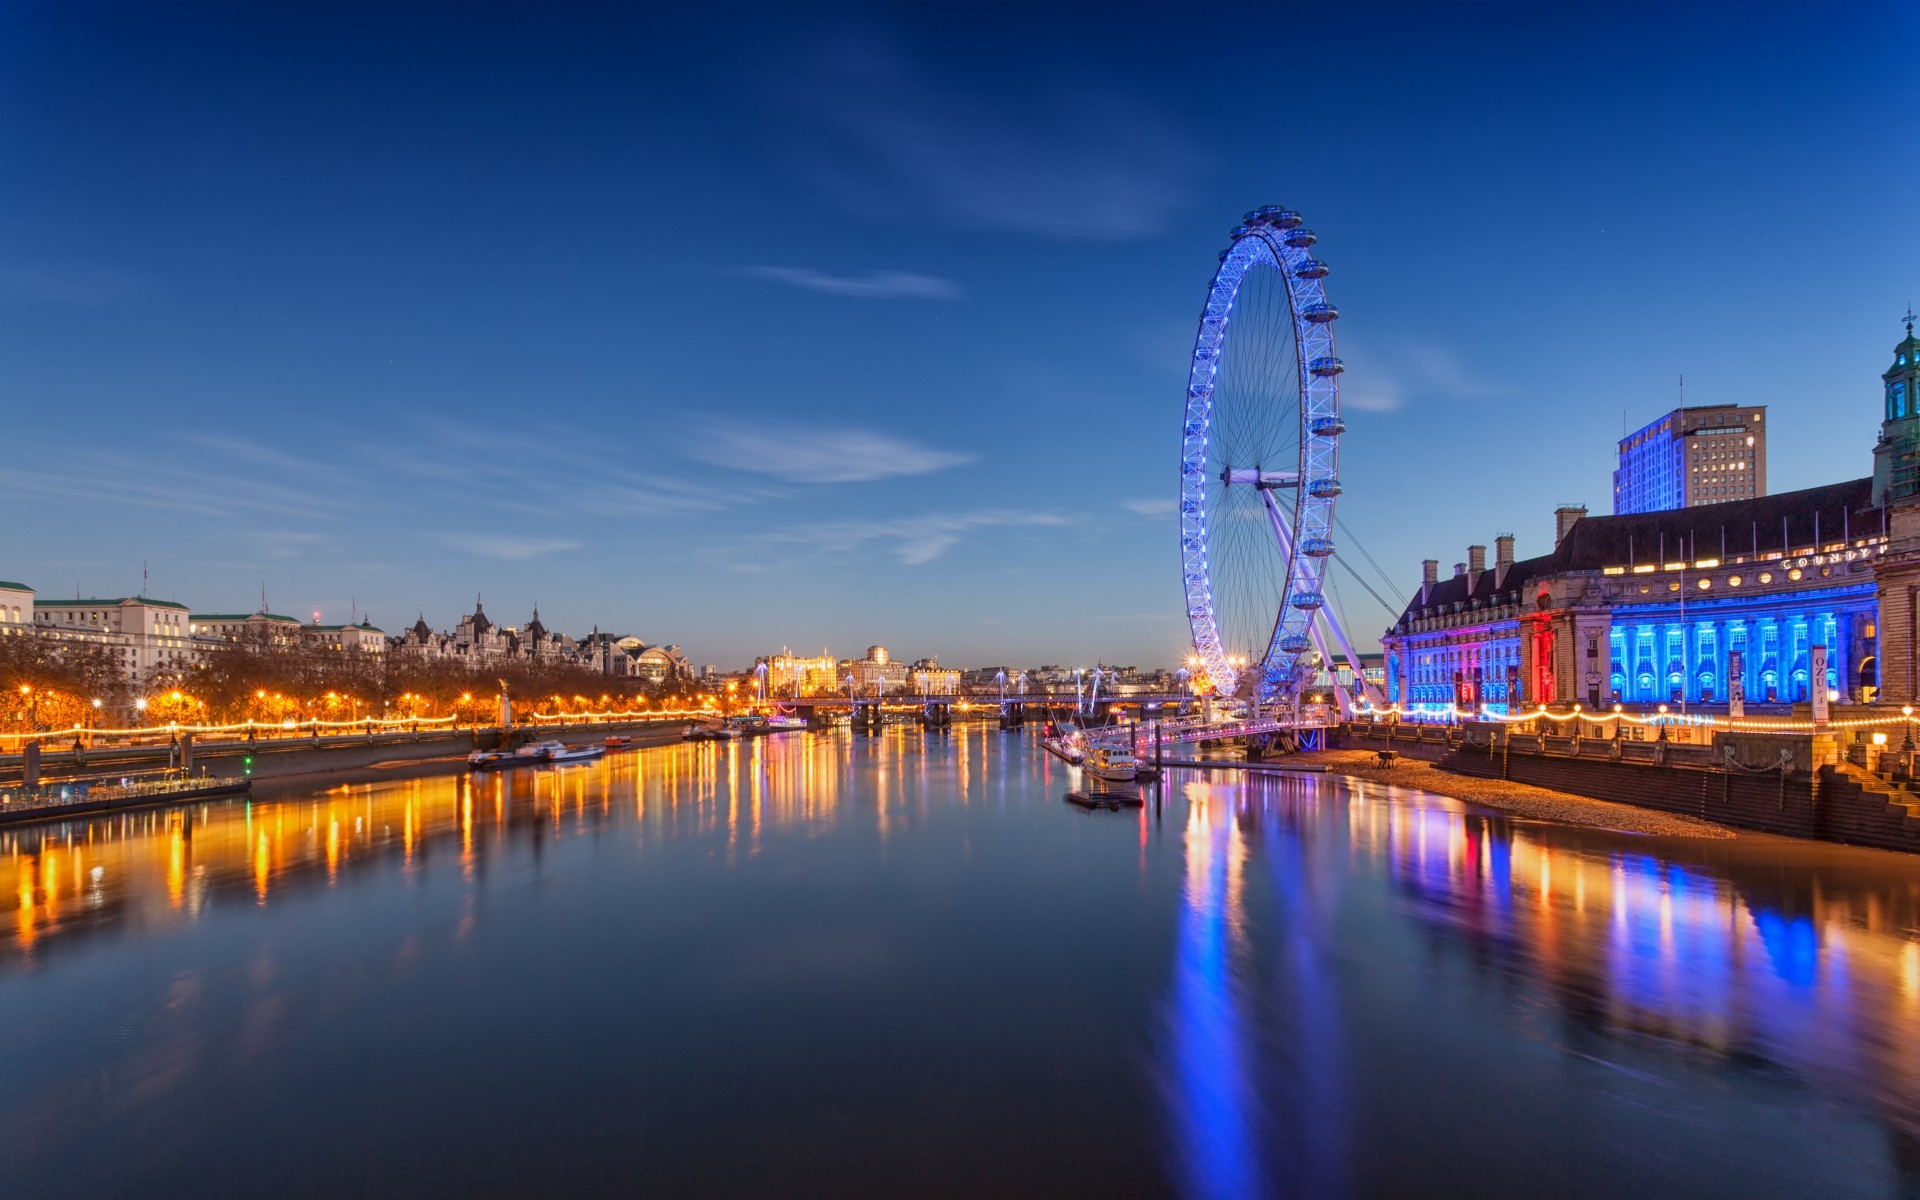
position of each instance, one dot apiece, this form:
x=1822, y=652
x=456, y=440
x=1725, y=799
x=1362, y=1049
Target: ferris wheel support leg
x=1361, y=685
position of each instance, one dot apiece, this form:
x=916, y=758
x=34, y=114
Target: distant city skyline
x=874, y=329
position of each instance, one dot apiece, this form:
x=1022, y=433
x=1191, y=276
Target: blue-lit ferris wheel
x=1259, y=464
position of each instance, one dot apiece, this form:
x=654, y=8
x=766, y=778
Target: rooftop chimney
x=1429, y=575
x=1459, y=569
x=1563, y=519
x=1502, y=558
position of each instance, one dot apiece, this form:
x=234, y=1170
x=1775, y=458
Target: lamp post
x=1906, y=711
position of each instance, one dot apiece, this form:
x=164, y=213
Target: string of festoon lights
x=318, y=723
x=658, y=714
x=1599, y=717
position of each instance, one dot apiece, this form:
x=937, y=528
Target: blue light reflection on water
x=1214, y=1100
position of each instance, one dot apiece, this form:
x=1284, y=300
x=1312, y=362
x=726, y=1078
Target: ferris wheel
x=1259, y=466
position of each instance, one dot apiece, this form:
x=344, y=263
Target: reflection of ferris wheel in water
x=1259, y=465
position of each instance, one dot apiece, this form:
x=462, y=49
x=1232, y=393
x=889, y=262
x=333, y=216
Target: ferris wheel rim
x=1270, y=237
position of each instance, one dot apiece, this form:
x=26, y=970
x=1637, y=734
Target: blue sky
x=740, y=327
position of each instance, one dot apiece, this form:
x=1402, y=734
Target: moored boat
x=1065, y=747
x=557, y=753
x=488, y=760
x=709, y=733
x=1110, y=765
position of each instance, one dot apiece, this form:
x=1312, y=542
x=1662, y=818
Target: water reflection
x=898, y=951
x=1661, y=960
x=74, y=877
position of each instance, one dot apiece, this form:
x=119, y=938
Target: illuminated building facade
x=1656, y=608
x=1896, y=483
x=477, y=641
x=361, y=639
x=929, y=678
x=1665, y=606
x=16, y=608
x=152, y=639
x=790, y=674
x=1691, y=456
x=261, y=630
x=876, y=674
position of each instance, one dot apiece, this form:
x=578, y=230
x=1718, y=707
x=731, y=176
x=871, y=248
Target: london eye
x=1259, y=465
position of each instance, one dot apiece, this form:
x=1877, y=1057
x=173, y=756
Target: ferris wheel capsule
x=1326, y=427
x=1286, y=218
x=1300, y=239
x=1324, y=488
x=1326, y=368
x=1320, y=313
x=1311, y=268
x=1317, y=547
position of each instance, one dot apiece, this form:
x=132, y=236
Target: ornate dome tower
x=1896, y=457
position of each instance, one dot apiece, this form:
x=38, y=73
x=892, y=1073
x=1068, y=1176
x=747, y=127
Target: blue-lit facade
x=1636, y=610
x=1693, y=457
x=1656, y=655
x=1661, y=606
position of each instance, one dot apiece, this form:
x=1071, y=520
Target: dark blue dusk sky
x=739, y=327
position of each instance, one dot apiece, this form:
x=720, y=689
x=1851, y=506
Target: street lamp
x=1906, y=747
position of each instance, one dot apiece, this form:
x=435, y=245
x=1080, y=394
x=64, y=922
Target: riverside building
x=151, y=639
x=1676, y=605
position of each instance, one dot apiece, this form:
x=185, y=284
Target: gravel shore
x=1520, y=799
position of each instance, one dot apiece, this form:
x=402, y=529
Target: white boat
x=556, y=752
x=1110, y=766
x=786, y=721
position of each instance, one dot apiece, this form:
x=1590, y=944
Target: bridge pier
x=935, y=716
x=1012, y=715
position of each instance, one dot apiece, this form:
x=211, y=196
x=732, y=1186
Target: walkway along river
x=900, y=965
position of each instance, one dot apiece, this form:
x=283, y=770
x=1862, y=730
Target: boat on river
x=710, y=733
x=1110, y=765
x=560, y=752
x=1065, y=746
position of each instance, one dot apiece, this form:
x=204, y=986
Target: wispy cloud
x=912, y=541
x=1388, y=380
x=513, y=549
x=874, y=285
x=1059, y=158
x=284, y=544
x=1162, y=507
x=821, y=455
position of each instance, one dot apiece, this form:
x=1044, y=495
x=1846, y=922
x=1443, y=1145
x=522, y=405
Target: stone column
x=1721, y=661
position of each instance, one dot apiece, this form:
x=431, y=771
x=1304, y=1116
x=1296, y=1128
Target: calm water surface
x=902, y=966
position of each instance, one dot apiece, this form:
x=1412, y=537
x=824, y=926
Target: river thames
x=901, y=965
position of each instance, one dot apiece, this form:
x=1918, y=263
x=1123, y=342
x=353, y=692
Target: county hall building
x=1659, y=607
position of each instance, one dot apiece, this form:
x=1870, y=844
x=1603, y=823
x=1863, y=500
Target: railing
x=1512, y=740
